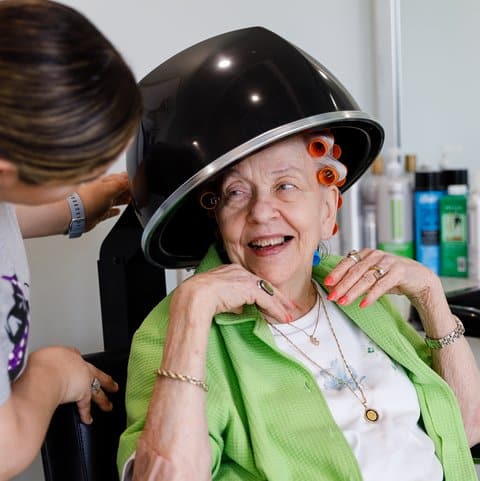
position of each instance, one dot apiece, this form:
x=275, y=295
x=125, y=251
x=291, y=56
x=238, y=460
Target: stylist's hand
x=227, y=288
x=102, y=196
x=373, y=273
x=73, y=375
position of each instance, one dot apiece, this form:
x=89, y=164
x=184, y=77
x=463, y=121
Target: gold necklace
x=370, y=414
x=312, y=338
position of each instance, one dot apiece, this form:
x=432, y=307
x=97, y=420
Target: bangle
x=451, y=337
x=76, y=227
x=183, y=377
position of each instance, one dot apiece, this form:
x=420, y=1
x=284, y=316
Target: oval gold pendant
x=371, y=415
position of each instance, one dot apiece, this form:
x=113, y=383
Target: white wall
x=440, y=80
x=65, y=302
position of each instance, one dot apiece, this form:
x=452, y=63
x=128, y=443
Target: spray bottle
x=368, y=189
x=474, y=228
x=394, y=208
x=429, y=189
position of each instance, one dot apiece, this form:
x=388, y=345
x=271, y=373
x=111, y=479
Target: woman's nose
x=262, y=208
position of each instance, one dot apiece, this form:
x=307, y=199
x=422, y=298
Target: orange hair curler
x=319, y=146
x=340, y=201
x=208, y=200
x=335, y=229
x=327, y=175
x=336, y=151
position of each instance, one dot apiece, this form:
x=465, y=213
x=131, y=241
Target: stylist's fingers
x=100, y=382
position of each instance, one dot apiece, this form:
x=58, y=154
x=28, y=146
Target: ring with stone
x=265, y=286
x=354, y=255
x=378, y=271
x=95, y=386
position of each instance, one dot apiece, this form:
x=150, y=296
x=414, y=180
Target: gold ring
x=96, y=385
x=354, y=255
x=265, y=286
x=378, y=271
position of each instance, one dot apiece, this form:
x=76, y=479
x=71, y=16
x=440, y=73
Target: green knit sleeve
x=408, y=331
x=145, y=358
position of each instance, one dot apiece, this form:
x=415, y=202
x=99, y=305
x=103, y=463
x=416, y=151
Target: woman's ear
x=329, y=210
x=8, y=174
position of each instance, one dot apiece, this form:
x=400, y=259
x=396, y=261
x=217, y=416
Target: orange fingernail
x=364, y=303
x=332, y=296
x=342, y=301
x=329, y=281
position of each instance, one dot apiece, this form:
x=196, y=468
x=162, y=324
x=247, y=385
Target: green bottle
x=454, y=232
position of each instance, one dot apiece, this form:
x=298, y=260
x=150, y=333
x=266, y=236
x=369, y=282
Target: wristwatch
x=77, y=225
x=459, y=331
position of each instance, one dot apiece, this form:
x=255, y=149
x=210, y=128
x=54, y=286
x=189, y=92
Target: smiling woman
x=269, y=369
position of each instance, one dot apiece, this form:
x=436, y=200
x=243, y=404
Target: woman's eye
x=286, y=186
x=233, y=193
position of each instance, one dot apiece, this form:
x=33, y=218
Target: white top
x=14, y=300
x=395, y=448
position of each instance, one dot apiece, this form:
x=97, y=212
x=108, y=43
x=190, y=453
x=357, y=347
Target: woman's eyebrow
x=286, y=170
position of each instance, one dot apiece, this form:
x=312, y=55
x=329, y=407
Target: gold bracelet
x=183, y=377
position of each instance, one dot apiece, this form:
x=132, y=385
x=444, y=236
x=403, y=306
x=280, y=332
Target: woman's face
x=273, y=213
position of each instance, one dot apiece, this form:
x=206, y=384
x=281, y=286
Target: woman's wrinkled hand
x=102, y=196
x=66, y=366
x=228, y=287
x=373, y=273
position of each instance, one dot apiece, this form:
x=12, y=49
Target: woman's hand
x=373, y=273
x=75, y=377
x=102, y=196
x=227, y=288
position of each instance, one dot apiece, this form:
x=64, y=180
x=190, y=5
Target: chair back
x=129, y=288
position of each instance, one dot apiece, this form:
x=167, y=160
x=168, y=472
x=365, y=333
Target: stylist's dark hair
x=68, y=101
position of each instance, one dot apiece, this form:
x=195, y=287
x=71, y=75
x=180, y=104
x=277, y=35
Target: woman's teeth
x=273, y=241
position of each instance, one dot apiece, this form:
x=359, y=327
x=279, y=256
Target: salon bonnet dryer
x=211, y=105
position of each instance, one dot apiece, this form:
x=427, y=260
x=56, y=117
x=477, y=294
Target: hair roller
x=320, y=145
x=336, y=151
x=327, y=175
x=208, y=200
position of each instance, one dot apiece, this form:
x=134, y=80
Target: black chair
x=129, y=288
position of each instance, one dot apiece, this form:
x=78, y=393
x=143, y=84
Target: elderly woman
x=259, y=367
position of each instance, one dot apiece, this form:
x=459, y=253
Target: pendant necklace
x=370, y=414
x=312, y=338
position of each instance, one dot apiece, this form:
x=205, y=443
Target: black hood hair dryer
x=212, y=105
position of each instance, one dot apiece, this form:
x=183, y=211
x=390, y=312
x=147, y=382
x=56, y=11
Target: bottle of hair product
x=394, y=209
x=369, y=188
x=411, y=168
x=473, y=215
x=454, y=225
x=428, y=191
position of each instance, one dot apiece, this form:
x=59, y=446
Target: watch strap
x=444, y=341
x=77, y=225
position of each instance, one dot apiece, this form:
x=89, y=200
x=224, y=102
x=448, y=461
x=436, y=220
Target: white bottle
x=368, y=189
x=473, y=214
x=394, y=209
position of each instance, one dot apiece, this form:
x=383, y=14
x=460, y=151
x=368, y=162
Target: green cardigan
x=267, y=418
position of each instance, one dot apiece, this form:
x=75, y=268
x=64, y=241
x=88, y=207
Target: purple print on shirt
x=17, y=324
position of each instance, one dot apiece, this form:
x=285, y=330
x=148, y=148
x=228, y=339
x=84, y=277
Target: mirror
x=439, y=98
